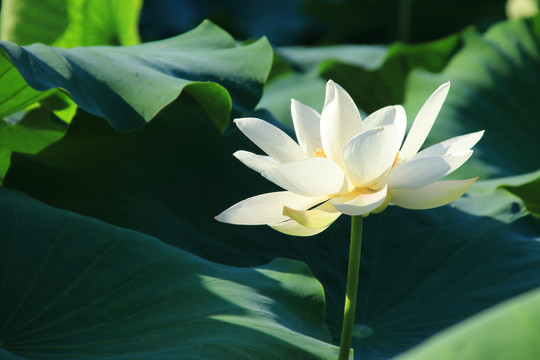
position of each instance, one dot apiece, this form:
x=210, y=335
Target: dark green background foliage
x=109, y=248
x=299, y=22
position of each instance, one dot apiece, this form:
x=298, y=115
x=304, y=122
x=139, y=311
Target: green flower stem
x=352, y=287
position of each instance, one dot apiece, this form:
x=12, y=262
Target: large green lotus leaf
x=421, y=272
x=69, y=23
x=495, y=85
x=74, y=287
x=507, y=331
x=129, y=85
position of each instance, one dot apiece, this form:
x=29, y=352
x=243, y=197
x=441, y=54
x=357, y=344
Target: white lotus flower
x=343, y=165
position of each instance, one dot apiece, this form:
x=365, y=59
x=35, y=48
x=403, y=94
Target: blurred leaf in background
x=70, y=23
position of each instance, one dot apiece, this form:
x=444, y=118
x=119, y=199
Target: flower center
x=319, y=153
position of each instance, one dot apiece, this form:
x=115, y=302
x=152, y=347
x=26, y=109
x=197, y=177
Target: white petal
x=423, y=171
x=423, y=123
x=390, y=115
x=266, y=208
x=431, y=196
x=357, y=203
x=291, y=227
x=271, y=140
x=456, y=144
x=259, y=163
x=340, y=121
x=311, y=177
x=370, y=154
x=319, y=217
x=307, y=126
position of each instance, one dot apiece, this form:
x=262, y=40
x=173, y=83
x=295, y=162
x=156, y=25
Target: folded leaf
x=129, y=85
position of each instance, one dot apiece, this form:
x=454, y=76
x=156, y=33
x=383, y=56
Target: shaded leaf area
x=507, y=331
x=420, y=273
x=395, y=20
x=424, y=272
x=36, y=130
x=74, y=287
x=529, y=192
x=317, y=22
x=69, y=23
x=495, y=85
x=282, y=21
x=375, y=76
x=129, y=85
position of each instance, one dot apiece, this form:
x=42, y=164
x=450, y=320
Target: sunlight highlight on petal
x=307, y=126
x=423, y=123
x=266, y=208
x=369, y=155
x=291, y=227
x=271, y=140
x=423, y=171
x=357, y=203
x=259, y=163
x=431, y=196
x=319, y=217
x=390, y=115
x=456, y=144
x=340, y=121
x=310, y=177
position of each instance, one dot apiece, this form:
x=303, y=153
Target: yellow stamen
x=319, y=153
x=395, y=160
